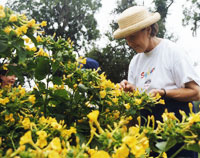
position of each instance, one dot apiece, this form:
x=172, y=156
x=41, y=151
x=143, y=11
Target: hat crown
x=132, y=16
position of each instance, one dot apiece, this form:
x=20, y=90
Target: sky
x=173, y=25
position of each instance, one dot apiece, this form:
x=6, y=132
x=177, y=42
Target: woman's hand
x=127, y=86
x=154, y=92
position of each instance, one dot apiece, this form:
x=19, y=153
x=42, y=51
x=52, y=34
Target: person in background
x=6, y=80
x=160, y=67
x=91, y=64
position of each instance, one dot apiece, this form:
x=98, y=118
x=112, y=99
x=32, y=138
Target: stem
x=178, y=151
x=46, y=100
x=13, y=144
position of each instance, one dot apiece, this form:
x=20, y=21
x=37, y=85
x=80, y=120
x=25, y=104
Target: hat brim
x=122, y=33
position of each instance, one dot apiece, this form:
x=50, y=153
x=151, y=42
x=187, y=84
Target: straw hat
x=134, y=19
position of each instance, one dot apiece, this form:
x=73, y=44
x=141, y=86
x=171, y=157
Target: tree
x=162, y=7
x=191, y=14
x=115, y=57
x=67, y=18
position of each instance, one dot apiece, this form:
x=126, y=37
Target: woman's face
x=139, y=41
x=8, y=80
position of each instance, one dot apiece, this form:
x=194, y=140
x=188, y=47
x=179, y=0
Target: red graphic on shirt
x=145, y=74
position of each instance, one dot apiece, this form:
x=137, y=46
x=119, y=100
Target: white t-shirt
x=166, y=66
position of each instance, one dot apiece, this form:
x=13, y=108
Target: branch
x=172, y=1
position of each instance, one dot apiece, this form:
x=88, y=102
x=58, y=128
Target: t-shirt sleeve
x=131, y=77
x=183, y=70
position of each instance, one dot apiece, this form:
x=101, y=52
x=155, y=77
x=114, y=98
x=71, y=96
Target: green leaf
x=166, y=145
x=32, y=38
x=193, y=147
x=55, y=66
x=22, y=56
x=3, y=46
x=161, y=145
x=42, y=69
x=57, y=80
x=42, y=85
x=61, y=93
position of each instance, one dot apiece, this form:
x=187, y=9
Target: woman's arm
x=191, y=92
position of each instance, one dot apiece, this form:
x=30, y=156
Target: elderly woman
x=160, y=66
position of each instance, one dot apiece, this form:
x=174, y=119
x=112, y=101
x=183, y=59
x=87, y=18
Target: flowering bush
x=74, y=112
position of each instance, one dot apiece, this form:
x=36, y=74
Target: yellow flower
x=194, y=118
x=54, y=154
x=138, y=101
x=27, y=47
x=1, y=7
x=43, y=120
x=93, y=115
x=31, y=23
x=5, y=66
x=116, y=114
x=100, y=154
x=144, y=142
x=41, y=134
x=115, y=100
x=190, y=107
x=56, y=125
x=22, y=92
x=67, y=133
x=27, y=40
x=127, y=106
x=41, y=142
x=18, y=31
x=43, y=23
x=117, y=92
x=7, y=29
x=39, y=39
x=4, y=101
x=121, y=152
x=136, y=93
x=41, y=52
x=83, y=61
x=55, y=144
x=31, y=99
x=168, y=115
x=24, y=28
x=102, y=94
x=75, y=86
x=27, y=138
x=91, y=151
x=108, y=102
x=34, y=49
x=130, y=140
x=161, y=101
x=164, y=155
x=157, y=96
x=2, y=14
x=134, y=130
x=23, y=16
x=13, y=18
x=9, y=117
x=26, y=123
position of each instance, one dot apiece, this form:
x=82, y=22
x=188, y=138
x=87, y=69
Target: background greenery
x=75, y=19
